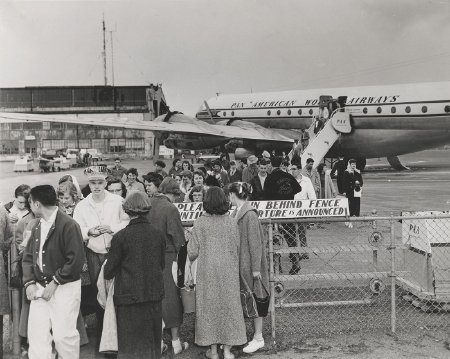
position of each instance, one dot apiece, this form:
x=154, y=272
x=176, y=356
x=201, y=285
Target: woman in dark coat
x=166, y=218
x=352, y=183
x=253, y=266
x=136, y=261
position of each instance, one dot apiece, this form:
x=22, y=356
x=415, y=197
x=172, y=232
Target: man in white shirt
x=52, y=263
x=99, y=215
x=307, y=193
x=312, y=174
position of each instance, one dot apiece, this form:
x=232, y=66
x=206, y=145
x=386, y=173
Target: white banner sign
x=335, y=207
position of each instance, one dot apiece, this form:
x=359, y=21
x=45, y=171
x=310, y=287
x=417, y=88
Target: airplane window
x=424, y=109
x=224, y=114
x=311, y=111
x=407, y=109
x=365, y=109
x=447, y=108
x=300, y=111
x=393, y=109
x=379, y=110
x=278, y=112
x=289, y=112
x=268, y=113
x=232, y=113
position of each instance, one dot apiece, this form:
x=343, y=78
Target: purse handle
x=262, y=284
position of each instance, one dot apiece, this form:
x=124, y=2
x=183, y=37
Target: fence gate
x=327, y=277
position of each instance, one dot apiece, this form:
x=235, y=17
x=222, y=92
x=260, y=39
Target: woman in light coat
x=215, y=245
x=252, y=257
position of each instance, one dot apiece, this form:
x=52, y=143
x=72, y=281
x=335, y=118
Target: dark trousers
x=290, y=233
x=354, y=205
x=95, y=261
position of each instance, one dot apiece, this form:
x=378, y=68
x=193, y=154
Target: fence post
x=393, y=278
x=271, y=281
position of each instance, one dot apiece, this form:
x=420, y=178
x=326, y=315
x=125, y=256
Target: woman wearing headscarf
x=352, y=183
x=165, y=217
x=70, y=178
x=136, y=261
x=252, y=257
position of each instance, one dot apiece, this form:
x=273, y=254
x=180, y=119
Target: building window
x=32, y=125
x=365, y=110
x=57, y=125
x=232, y=113
x=311, y=111
x=117, y=145
x=379, y=109
x=16, y=126
x=393, y=109
x=58, y=144
x=300, y=111
x=46, y=125
x=9, y=147
x=424, y=109
x=447, y=108
x=224, y=114
x=407, y=109
x=278, y=112
x=289, y=112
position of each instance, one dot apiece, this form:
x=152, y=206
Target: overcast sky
x=197, y=48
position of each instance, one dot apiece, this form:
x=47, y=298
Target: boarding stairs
x=320, y=143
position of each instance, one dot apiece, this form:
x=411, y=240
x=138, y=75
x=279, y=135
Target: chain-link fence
x=369, y=274
x=379, y=273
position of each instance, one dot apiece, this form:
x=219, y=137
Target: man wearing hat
x=251, y=170
x=99, y=215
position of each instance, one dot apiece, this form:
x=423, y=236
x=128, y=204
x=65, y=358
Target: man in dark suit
x=259, y=180
x=52, y=264
x=281, y=185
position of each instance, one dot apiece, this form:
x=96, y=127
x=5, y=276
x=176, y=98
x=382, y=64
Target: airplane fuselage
x=386, y=120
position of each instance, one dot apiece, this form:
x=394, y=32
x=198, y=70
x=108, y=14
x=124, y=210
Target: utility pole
x=104, y=51
x=112, y=56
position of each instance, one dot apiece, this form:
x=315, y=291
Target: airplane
x=360, y=122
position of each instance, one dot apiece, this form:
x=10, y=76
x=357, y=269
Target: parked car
x=95, y=154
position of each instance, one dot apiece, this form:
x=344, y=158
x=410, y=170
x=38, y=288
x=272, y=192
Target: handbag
x=262, y=304
x=15, y=281
x=188, y=293
x=248, y=301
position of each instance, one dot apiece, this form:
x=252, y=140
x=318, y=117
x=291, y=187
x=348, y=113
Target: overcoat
x=219, y=316
x=252, y=254
x=5, y=235
x=164, y=216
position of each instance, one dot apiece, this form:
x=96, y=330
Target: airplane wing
x=177, y=124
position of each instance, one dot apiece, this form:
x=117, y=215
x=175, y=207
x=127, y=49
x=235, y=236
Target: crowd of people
x=124, y=231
